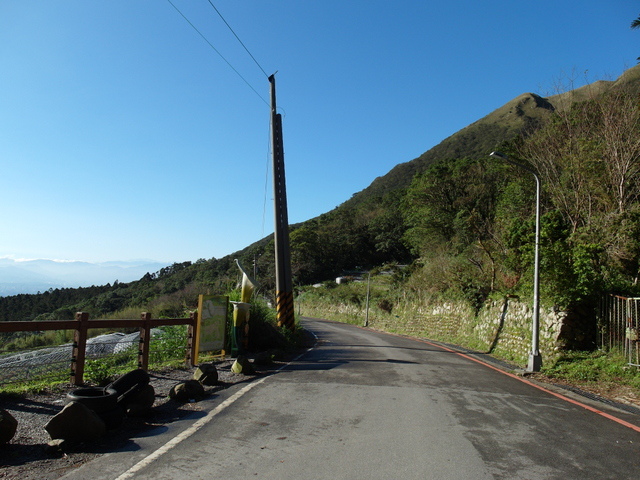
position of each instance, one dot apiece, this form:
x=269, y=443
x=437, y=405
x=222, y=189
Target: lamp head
x=499, y=155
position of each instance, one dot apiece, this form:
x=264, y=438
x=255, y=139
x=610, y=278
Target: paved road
x=363, y=404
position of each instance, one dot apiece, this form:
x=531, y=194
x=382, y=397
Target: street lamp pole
x=535, y=360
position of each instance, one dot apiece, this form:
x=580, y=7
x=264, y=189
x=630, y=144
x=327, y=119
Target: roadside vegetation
x=167, y=348
x=461, y=224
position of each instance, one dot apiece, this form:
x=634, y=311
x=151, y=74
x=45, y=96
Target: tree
x=636, y=24
x=450, y=212
x=588, y=157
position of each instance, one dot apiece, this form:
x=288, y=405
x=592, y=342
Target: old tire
x=129, y=380
x=98, y=399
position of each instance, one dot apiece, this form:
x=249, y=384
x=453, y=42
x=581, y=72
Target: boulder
x=206, y=374
x=242, y=365
x=76, y=423
x=8, y=426
x=141, y=401
x=187, y=391
x=263, y=358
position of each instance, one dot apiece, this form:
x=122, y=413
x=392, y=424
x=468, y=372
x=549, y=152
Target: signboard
x=212, y=322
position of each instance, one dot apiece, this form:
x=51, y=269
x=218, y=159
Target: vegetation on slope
x=464, y=221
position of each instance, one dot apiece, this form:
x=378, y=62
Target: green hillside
x=520, y=115
x=462, y=221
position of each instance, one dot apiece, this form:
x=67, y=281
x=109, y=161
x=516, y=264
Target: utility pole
x=284, y=283
x=535, y=359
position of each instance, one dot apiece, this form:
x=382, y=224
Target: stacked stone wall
x=505, y=333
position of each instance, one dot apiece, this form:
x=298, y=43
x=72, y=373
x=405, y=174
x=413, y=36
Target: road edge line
x=624, y=423
x=199, y=424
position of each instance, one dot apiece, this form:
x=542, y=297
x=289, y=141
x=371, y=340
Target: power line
x=241, y=43
x=220, y=54
x=264, y=207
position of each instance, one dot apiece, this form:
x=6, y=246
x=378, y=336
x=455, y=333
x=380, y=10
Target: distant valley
x=33, y=276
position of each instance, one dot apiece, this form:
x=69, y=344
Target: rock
x=8, y=426
x=263, y=358
x=141, y=401
x=56, y=448
x=76, y=423
x=206, y=374
x=186, y=391
x=113, y=418
x=242, y=365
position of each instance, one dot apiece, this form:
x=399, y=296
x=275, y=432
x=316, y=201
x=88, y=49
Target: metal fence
x=44, y=363
x=52, y=363
x=619, y=326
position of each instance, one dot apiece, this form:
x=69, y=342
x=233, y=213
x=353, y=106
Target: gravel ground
x=27, y=456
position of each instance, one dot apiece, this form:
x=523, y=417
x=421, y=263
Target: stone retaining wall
x=502, y=327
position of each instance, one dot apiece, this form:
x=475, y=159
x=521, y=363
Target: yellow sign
x=212, y=322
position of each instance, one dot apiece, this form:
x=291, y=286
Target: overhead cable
x=238, y=38
x=216, y=50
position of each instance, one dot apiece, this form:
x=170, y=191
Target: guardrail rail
x=82, y=324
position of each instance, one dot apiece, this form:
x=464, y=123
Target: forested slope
x=462, y=220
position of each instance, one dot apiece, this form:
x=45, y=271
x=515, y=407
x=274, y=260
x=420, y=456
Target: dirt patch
x=27, y=456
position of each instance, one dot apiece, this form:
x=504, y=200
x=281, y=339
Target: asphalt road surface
x=368, y=405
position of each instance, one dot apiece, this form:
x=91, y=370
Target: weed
x=594, y=367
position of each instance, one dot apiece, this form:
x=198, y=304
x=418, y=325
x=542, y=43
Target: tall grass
x=33, y=340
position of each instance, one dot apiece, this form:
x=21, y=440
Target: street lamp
x=535, y=360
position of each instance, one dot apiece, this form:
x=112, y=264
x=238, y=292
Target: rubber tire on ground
x=130, y=380
x=98, y=399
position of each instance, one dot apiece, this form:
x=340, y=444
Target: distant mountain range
x=32, y=276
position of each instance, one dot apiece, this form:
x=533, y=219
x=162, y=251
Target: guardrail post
x=192, y=331
x=145, y=342
x=79, y=348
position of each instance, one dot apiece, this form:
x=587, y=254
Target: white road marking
x=197, y=425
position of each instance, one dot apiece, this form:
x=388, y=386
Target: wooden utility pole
x=284, y=283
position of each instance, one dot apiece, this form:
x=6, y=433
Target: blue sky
x=124, y=135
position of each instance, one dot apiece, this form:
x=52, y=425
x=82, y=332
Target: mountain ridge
x=523, y=113
x=367, y=229
x=38, y=275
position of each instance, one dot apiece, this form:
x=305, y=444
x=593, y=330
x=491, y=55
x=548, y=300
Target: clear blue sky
x=124, y=135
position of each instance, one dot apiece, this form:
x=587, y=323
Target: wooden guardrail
x=82, y=324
